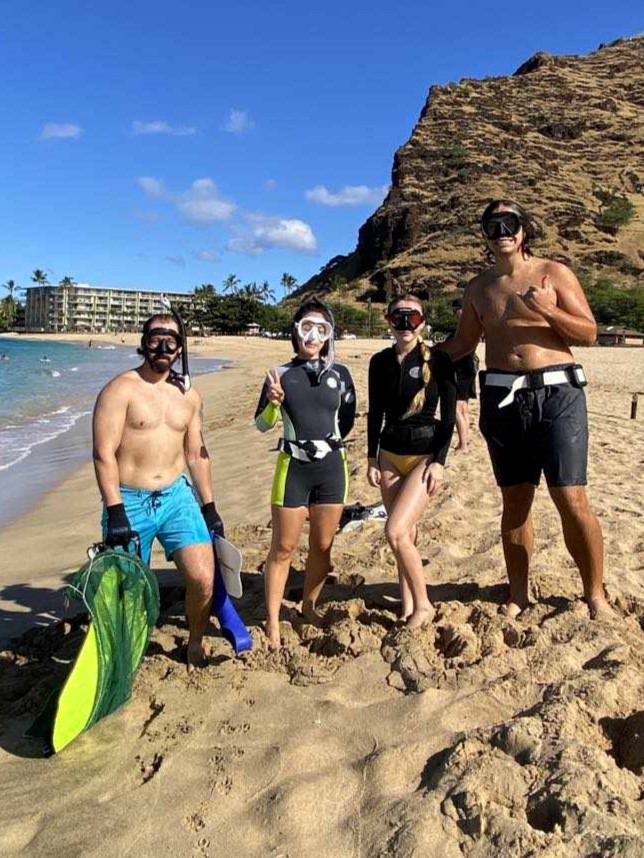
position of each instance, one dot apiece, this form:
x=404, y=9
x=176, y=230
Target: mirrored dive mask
x=405, y=319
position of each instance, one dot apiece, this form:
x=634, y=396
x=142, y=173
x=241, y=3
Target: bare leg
x=197, y=565
x=324, y=521
x=390, y=484
x=518, y=542
x=583, y=538
x=462, y=425
x=287, y=527
x=400, y=530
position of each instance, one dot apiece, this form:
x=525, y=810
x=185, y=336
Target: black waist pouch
x=404, y=438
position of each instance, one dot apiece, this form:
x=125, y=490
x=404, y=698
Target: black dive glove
x=212, y=518
x=119, y=531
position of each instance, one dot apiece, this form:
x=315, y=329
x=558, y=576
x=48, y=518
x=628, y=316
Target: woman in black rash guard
x=406, y=384
x=315, y=398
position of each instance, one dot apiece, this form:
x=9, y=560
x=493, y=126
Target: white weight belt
x=520, y=382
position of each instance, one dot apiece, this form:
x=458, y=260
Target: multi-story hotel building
x=94, y=309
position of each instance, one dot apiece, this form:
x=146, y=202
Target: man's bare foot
x=196, y=655
x=312, y=616
x=273, y=634
x=461, y=449
x=420, y=617
x=512, y=609
x=599, y=609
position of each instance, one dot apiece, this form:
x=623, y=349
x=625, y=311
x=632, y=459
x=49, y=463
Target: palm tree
x=66, y=282
x=9, y=304
x=288, y=283
x=266, y=293
x=206, y=290
x=252, y=292
x=39, y=277
x=231, y=284
x=11, y=288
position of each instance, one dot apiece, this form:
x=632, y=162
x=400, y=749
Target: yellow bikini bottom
x=403, y=464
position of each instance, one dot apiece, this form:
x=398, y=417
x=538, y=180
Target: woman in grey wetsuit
x=315, y=398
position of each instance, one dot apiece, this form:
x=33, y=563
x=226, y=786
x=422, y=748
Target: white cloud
x=161, y=127
x=200, y=204
x=153, y=188
x=203, y=204
x=206, y=255
x=349, y=195
x=238, y=121
x=61, y=131
x=265, y=233
x=179, y=261
x=270, y=185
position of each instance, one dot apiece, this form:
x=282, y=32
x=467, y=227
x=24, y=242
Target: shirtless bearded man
x=147, y=431
x=533, y=408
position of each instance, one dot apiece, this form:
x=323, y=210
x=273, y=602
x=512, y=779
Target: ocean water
x=46, y=389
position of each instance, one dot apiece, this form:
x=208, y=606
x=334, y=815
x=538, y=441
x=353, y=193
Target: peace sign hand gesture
x=275, y=391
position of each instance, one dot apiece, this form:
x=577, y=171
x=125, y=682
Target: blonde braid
x=418, y=401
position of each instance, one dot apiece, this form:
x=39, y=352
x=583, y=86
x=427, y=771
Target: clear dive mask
x=312, y=330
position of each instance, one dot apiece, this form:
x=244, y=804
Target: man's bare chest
x=159, y=411
x=504, y=305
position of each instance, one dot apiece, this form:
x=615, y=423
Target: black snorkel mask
x=165, y=347
x=501, y=224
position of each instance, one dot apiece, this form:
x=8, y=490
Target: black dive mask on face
x=405, y=319
x=501, y=225
x=161, y=342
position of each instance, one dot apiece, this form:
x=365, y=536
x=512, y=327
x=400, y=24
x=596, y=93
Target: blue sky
x=164, y=144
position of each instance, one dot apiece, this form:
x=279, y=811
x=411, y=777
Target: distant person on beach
x=147, y=432
x=407, y=382
x=465, y=371
x=533, y=407
x=315, y=398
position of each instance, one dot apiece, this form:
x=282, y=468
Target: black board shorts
x=465, y=371
x=545, y=430
x=465, y=388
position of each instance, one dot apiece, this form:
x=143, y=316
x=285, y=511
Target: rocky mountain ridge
x=564, y=136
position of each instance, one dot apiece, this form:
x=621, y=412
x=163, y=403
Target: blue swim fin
x=232, y=626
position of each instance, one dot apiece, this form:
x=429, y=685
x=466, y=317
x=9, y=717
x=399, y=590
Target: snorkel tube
x=184, y=377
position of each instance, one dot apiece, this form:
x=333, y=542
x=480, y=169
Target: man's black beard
x=152, y=357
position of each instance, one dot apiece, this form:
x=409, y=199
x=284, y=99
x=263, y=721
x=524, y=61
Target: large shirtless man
x=147, y=432
x=533, y=407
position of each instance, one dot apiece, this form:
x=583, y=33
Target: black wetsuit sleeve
x=443, y=371
x=376, y=408
x=347, y=412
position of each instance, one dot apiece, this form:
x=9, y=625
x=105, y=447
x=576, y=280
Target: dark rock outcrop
x=560, y=135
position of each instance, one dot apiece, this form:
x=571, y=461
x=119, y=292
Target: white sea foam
x=17, y=442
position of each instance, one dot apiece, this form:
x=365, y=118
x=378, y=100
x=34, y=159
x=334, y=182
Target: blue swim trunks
x=172, y=515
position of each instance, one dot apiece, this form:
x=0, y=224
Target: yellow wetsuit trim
x=346, y=475
x=268, y=418
x=279, y=479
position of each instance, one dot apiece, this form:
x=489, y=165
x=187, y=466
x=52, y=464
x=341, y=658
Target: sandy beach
x=477, y=736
